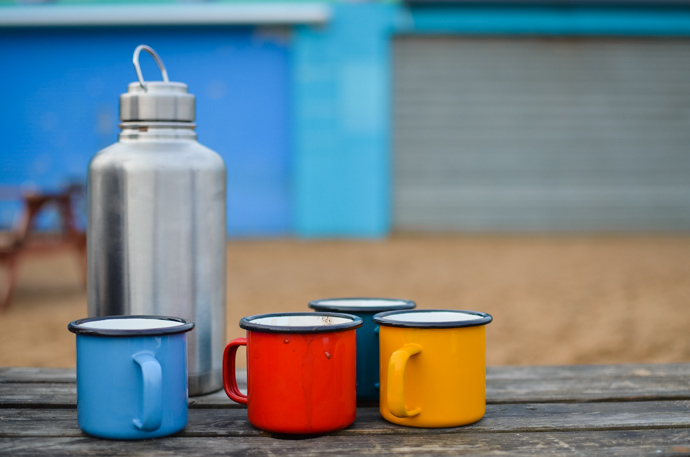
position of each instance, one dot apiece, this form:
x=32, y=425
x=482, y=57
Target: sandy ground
x=555, y=300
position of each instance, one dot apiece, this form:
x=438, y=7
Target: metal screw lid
x=156, y=101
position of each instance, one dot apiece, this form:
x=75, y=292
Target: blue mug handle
x=152, y=376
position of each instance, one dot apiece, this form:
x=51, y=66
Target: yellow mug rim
x=382, y=319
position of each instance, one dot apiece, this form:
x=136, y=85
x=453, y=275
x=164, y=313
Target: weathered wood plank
x=499, y=391
x=601, y=443
x=585, y=372
x=33, y=374
x=36, y=395
x=516, y=418
x=60, y=375
x=590, y=390
x=581, y=372
x=585, y=383
x=578, y=383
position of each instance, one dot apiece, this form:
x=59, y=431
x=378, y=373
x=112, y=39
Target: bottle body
x=157, y=238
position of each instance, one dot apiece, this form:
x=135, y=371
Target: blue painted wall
x=60, y=101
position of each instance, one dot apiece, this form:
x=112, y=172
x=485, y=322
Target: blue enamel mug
x=367, y=336
x=131, y=376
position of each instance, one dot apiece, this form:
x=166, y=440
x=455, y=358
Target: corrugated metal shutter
x=541, y=134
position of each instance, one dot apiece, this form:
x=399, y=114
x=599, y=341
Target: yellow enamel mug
x=432, y=367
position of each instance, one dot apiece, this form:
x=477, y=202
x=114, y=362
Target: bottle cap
x=156, y=101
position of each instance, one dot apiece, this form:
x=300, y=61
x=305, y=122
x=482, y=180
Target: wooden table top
x=619, y=410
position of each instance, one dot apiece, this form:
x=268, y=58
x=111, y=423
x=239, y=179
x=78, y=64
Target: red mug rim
x=248, y=324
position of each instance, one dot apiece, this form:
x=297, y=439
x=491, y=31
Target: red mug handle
x=229, y=379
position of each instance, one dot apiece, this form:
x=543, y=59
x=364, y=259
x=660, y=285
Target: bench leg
x=81, y=254
x=12, y=271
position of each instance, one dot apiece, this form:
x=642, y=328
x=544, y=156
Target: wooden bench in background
x=23, y=239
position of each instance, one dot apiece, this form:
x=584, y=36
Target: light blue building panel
x=341, y=118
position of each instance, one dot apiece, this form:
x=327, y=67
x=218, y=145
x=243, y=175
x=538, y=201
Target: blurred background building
x=358, y=119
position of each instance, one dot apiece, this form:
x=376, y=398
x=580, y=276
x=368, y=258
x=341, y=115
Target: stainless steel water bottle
x=156, y=231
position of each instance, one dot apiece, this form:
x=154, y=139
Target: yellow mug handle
x=396, y=381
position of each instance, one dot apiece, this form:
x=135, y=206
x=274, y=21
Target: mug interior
x=130, y=324
x=434, y=317
x=301, y=321
x=362, y=303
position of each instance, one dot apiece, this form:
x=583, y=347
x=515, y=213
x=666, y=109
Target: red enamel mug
x=301, y=376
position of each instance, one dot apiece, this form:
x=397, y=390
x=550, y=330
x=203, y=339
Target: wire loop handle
x=135, y=60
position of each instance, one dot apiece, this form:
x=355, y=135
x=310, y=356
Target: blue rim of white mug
x=76, y=326
x=341, y=304
x=388, y=319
